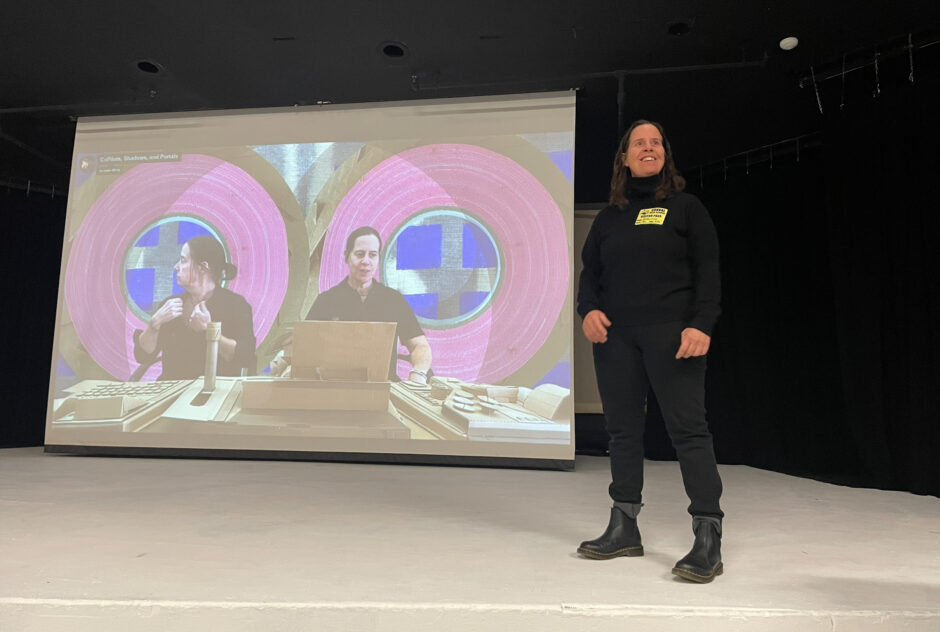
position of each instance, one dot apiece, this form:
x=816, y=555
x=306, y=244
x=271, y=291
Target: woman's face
x=363, y=258
x=186, y=269
x=645, y=155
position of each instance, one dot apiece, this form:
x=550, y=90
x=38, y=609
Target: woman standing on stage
x=649, y=296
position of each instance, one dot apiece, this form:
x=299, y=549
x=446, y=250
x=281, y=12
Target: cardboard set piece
x=335, y=365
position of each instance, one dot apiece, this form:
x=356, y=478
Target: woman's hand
x=694, y=343
x=200, y=317
x=595, y=326
x=170, y=310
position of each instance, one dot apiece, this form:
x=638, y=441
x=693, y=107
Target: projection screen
x=366, y=281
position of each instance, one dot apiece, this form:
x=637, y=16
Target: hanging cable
x=910, y=57
x=816, y=89
x=851, y=61
x=756, y=155
x=842, y=100
x=877, y=92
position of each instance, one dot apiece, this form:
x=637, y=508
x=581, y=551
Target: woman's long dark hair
x=673, y=182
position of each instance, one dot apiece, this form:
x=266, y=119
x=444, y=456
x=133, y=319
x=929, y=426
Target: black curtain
x=774, y=391
x=31, y=255
x=883, y=220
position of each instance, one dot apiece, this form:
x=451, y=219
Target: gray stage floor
x=111, y=544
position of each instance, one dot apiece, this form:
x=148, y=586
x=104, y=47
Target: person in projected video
x=649, y=295
x=176, y=331
x=360, y=297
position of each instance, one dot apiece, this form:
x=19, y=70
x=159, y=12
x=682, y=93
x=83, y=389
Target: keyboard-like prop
x=103, y=402
x=452, y=409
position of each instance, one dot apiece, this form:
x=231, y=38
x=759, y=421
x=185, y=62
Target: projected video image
x=341, y=295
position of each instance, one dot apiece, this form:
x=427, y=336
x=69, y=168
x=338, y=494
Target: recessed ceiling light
x=789, y=43
x=147, y=66
x=393, y=50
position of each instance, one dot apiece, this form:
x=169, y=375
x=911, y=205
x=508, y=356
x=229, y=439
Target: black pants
x=632, y=360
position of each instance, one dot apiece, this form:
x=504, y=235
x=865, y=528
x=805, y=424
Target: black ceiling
x=721, y=86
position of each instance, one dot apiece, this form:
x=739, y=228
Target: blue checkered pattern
x=446, y=264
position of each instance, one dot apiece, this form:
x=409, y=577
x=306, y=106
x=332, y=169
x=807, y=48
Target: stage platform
x=127, y=544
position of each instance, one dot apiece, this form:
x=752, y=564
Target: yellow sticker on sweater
x=651, y=216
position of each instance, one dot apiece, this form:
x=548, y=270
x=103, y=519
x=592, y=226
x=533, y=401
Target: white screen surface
x=472, y=200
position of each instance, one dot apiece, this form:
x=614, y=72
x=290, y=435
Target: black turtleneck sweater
x=655, y=261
